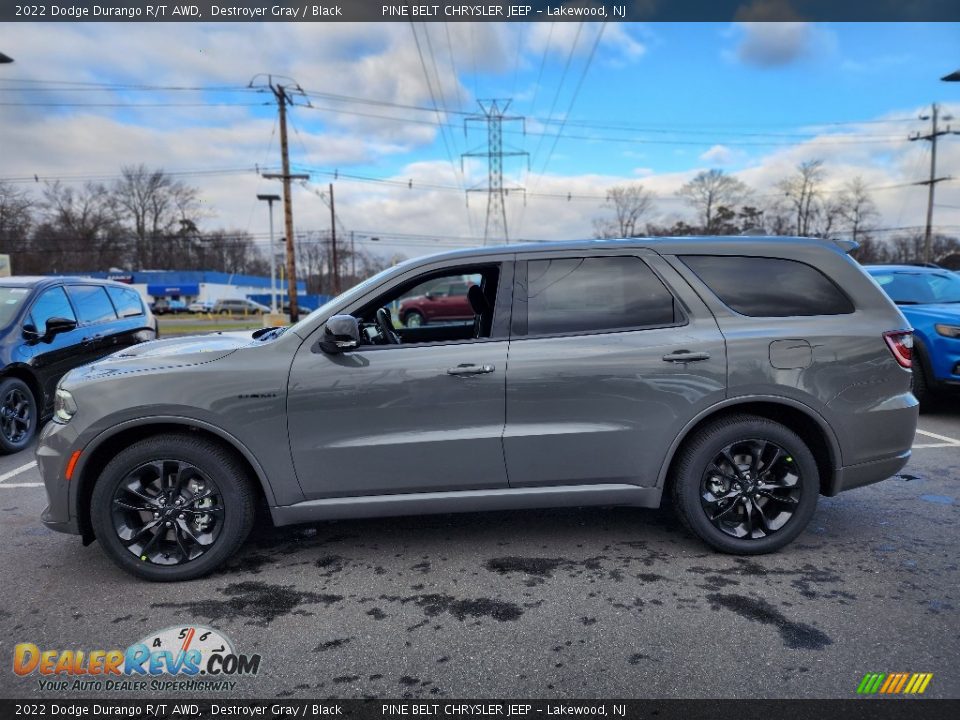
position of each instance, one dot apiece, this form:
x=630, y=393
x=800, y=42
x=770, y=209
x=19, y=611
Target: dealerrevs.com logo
x=190, y=659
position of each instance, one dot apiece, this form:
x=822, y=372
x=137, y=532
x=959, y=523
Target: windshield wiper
x=907, y=302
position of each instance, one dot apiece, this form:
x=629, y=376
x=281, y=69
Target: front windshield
x=330, y=304
x=11, y=298
x=916, y=288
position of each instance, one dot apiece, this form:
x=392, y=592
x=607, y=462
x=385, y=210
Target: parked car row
x=232, y=306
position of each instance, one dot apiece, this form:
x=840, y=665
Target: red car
x=444, y=301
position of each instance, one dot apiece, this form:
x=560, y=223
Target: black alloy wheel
x=167, y=512
x=173, y=507
x=18, y=415
x=745, y=484
x=751, y=489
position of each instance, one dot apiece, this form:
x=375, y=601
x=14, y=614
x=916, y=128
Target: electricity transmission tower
x=492, y=113
x=931, y=137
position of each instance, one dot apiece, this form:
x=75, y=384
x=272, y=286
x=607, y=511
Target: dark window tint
x=51, y=303
x=127, y=302
x=591, y=294
x=92, y=303
x=769, y=287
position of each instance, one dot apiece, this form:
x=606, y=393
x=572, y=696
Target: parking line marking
x=950, y=440
x=17, y=471
x=18, y=485
x=920, y=446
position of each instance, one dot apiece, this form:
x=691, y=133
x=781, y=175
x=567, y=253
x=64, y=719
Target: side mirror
x=30, y=333
x=342, y=333
x=57, y=325
x=429, y=295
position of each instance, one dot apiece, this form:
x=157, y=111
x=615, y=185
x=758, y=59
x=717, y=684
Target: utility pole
x=935, y=132
x=353, y=260
x=273, y=254
x=333, y=246
x=284, y=96
x=493, y=115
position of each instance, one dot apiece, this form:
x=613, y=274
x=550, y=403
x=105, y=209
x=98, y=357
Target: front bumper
x=56, y=444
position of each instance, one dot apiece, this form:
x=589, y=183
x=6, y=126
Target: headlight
x=64, y=406
x=950, y=331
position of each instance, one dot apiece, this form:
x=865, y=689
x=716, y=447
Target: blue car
x=930, y=300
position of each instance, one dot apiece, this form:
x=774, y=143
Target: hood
x=167, y=353
x=938, y=312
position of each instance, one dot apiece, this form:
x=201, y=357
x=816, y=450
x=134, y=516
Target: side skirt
x=465, y=501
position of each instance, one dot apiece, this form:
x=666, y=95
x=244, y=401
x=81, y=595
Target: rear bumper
x=854, y=476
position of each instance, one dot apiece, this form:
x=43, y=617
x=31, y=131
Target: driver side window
x=51, y=303
x=455, y=304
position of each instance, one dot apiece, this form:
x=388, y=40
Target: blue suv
x=930, y=300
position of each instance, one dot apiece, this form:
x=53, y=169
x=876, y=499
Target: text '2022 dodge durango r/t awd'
x=745, y=376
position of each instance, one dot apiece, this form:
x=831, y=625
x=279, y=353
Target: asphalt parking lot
x=608, y=602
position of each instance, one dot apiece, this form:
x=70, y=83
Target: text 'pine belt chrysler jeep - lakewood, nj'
x=744, y=376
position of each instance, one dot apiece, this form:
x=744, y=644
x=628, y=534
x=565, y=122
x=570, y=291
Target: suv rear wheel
x=18, y=415
x=172, y=507
x=746, y=485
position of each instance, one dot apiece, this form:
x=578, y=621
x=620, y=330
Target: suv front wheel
x=172, y=507
x=746, y=485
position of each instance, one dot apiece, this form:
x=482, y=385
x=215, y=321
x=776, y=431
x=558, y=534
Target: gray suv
x=745, y=376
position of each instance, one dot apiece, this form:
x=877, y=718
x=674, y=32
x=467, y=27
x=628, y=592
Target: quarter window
x=51, y=303
x=92, y=303
x=769, y=287
x=568, y=295
x=127, y=302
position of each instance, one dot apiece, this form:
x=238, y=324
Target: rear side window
x=769, y=287
x=51, y=303
x=567, y=295
x=92, y=303
x=127, y=302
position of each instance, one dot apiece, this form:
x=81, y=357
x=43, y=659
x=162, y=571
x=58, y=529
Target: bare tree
x=16, y=221
x=153, y=205
x=78, y=231
x=630, y=203
x=857, y=208
x=229, y=251
x=710, y=190
x=803, y=195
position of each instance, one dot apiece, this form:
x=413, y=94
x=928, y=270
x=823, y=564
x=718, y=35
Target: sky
x=385, y=107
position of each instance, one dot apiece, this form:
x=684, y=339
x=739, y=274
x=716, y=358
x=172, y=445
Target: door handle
x=468, y=369
x=684, y=356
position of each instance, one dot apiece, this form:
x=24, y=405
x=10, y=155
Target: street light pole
x=273, y=255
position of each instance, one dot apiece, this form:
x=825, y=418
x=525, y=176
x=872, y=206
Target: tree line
x=799, y=205
x=147, y=220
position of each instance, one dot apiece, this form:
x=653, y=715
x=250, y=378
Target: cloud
x=718, y=155
x=773, y=44
x=620, y=47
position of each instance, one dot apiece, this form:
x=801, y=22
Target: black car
x=49, y=326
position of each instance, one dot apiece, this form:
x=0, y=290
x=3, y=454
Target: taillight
x=900, y=343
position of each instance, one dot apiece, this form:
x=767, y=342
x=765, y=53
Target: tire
x=414, y=319
x=703, y=487
x=204, y=466
x=18, y=415
x=921, y=385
